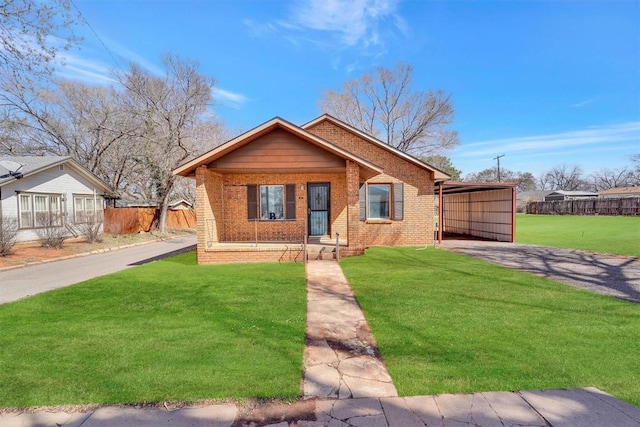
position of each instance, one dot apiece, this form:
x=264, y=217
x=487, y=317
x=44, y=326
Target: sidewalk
x=346, y=384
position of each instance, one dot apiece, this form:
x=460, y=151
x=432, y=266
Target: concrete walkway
x=23, y=282
x=555, y=408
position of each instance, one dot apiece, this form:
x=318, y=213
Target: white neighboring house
x=49, y=190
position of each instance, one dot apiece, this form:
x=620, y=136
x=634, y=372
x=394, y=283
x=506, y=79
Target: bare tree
x=32, y=33
x=87, y=123
x=384, y=104
x=635, y=159
x=605, y=179
x=568, y=178
x=169, y=110
x=524, y=181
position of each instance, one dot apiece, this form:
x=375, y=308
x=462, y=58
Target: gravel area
x=613, y=275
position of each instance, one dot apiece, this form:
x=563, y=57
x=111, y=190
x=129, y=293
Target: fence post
x=337, y=246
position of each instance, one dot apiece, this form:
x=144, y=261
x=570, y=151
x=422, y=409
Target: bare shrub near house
x=91, y=231
x=8, y=235
x=51, y=231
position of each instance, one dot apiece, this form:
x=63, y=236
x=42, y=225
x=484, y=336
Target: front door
x=318, y=196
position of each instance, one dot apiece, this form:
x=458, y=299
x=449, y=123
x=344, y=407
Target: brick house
x=262, y=195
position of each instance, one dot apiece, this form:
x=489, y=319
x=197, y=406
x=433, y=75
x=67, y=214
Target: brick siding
x=221, y=201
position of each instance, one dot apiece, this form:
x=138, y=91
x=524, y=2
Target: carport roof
x=455, y=187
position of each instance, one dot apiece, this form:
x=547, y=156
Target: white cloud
x=583, y=103
x=232, y=99
x=353, y=22
x=608, y=134
x=89, y=71
x=362, y=24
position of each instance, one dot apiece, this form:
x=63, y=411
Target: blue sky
x=543, y=82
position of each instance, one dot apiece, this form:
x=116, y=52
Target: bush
x=8, y=235
x=51, y=232
x=91, y=231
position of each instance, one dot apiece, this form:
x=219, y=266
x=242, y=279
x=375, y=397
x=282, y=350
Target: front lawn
x=609, y=234
x=168, y=330
x=448, y=323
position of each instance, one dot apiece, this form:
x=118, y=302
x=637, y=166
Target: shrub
x=91, y=231
x=8, y=235
x=51, y=232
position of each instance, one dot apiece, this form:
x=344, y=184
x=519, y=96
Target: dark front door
x=318, y=196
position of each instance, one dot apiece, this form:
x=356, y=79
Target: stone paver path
x=341, y=358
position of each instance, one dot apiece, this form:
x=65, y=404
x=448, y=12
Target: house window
x=40, y=210
x=378, y=201
x=87, y=209
x=382, y=201
x=271, y=202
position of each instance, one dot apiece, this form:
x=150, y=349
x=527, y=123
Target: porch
x=315, y=248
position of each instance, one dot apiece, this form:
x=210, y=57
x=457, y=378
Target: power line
x=97, y=36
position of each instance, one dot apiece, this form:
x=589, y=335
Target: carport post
x=513, y=215
x=440, y=213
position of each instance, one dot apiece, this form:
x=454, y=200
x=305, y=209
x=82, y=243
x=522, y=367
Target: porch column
x=354, y=235
x=209, y=197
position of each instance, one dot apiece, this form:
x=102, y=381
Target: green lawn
x=169, y=330
x=448, y=323
x=609, y=234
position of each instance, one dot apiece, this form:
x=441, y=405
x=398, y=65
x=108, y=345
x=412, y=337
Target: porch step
x=316, y=252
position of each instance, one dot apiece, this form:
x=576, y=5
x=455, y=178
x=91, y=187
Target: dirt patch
x=266, y=412
x=32, y=252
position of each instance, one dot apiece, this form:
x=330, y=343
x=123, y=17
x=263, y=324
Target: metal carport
x=480, y=210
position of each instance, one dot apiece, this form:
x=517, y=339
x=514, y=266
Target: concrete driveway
x=23, y=282
x=613, y=275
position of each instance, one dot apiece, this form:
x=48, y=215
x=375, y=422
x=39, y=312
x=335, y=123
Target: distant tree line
x=568, y=178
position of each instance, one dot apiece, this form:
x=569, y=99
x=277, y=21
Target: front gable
x=278, y=150
x=267, y=145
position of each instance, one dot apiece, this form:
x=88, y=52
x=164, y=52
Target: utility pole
x=498, y=159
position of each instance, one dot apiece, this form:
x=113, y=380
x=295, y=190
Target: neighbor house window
x=87, y=209
x=40, y=210
x=382, y=201
x=271, y=202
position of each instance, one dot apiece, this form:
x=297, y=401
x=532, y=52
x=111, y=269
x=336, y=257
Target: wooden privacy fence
x=619, y=206
x=135, y=220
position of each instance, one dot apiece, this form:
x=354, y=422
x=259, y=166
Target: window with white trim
x=87, y=209
x=378, y=201
x=40, y=210
x=382, y=201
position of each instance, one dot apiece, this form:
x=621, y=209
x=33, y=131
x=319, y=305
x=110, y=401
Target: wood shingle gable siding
x=278, y=150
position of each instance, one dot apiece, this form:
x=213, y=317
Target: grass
x=447, y=323
x=166, y=331
x=608, y=234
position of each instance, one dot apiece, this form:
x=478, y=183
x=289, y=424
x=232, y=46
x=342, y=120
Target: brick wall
x=417, y=226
